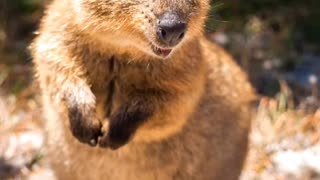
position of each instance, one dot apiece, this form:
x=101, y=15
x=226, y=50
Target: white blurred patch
x=294, y=162
x=19, y=148
x=221, y=38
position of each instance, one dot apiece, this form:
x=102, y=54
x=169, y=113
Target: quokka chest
x=101, y=74
x=112, y=80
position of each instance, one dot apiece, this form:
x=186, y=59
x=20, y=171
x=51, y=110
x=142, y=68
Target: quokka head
x=156, y=27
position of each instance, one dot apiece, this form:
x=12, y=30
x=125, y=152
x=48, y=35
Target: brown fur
x=183, y=117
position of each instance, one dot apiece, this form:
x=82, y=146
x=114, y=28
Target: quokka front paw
x=85, y=126
x=122, y=126
x=114, y=137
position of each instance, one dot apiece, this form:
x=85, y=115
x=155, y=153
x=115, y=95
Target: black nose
x=171, y=30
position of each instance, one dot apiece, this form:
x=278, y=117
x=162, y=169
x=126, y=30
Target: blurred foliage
x=302, y=16
x=269, y=38
x=18, y=19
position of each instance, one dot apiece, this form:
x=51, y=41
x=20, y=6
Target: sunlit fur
x=197, y=98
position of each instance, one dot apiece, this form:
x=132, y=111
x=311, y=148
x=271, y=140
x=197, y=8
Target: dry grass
x=277, y=129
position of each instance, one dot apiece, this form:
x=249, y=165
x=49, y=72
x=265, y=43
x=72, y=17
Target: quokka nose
x=171, y=30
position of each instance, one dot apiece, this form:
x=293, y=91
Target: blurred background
x=277, y=42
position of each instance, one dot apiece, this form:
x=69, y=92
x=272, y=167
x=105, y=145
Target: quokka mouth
x=161, y=51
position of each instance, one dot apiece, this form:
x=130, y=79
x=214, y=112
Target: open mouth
x=160, y=51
